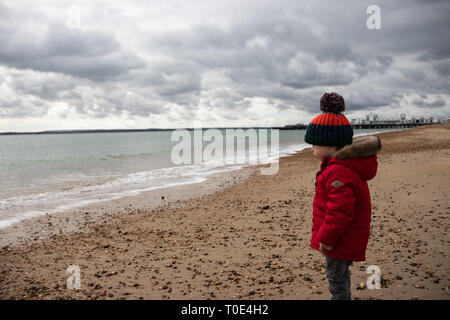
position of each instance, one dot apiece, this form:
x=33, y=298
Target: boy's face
x=321, y=151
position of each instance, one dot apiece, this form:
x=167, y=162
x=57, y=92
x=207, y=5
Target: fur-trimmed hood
x=360, y=156
x=361, y=147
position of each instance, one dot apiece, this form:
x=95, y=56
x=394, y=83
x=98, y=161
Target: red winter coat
x=341, y=208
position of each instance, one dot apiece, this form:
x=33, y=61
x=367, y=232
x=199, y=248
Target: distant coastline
x=125, y=130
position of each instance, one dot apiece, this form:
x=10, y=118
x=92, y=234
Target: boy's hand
x=323, y=247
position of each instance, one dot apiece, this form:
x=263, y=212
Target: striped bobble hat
x=331, y=128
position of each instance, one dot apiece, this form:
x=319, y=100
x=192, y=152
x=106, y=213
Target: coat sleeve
x=340, y=205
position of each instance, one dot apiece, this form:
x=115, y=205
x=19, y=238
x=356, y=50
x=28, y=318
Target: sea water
x=48, y=173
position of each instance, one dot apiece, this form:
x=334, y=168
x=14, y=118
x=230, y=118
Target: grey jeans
x=338, y=275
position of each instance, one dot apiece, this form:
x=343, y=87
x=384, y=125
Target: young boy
x=341, y=207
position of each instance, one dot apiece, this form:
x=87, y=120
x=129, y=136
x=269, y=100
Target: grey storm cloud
x=439, y=103
x=368, y=100
x=289, y=52
x=442, y=68
x=47, y=86
x=275, y=49
x=88, y=54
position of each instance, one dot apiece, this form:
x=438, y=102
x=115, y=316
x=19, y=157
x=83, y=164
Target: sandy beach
x=242, y=235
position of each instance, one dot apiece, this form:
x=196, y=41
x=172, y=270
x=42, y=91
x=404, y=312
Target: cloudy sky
x=141, y=64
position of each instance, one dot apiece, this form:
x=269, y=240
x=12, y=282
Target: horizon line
x=61, y=131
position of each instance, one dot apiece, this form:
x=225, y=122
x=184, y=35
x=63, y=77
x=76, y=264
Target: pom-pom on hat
x=331, y=128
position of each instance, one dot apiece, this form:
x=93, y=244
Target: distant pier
x=386, y=125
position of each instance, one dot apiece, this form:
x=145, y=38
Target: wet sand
x=246, y=237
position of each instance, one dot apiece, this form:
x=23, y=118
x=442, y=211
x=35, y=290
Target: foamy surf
x=17, y=208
